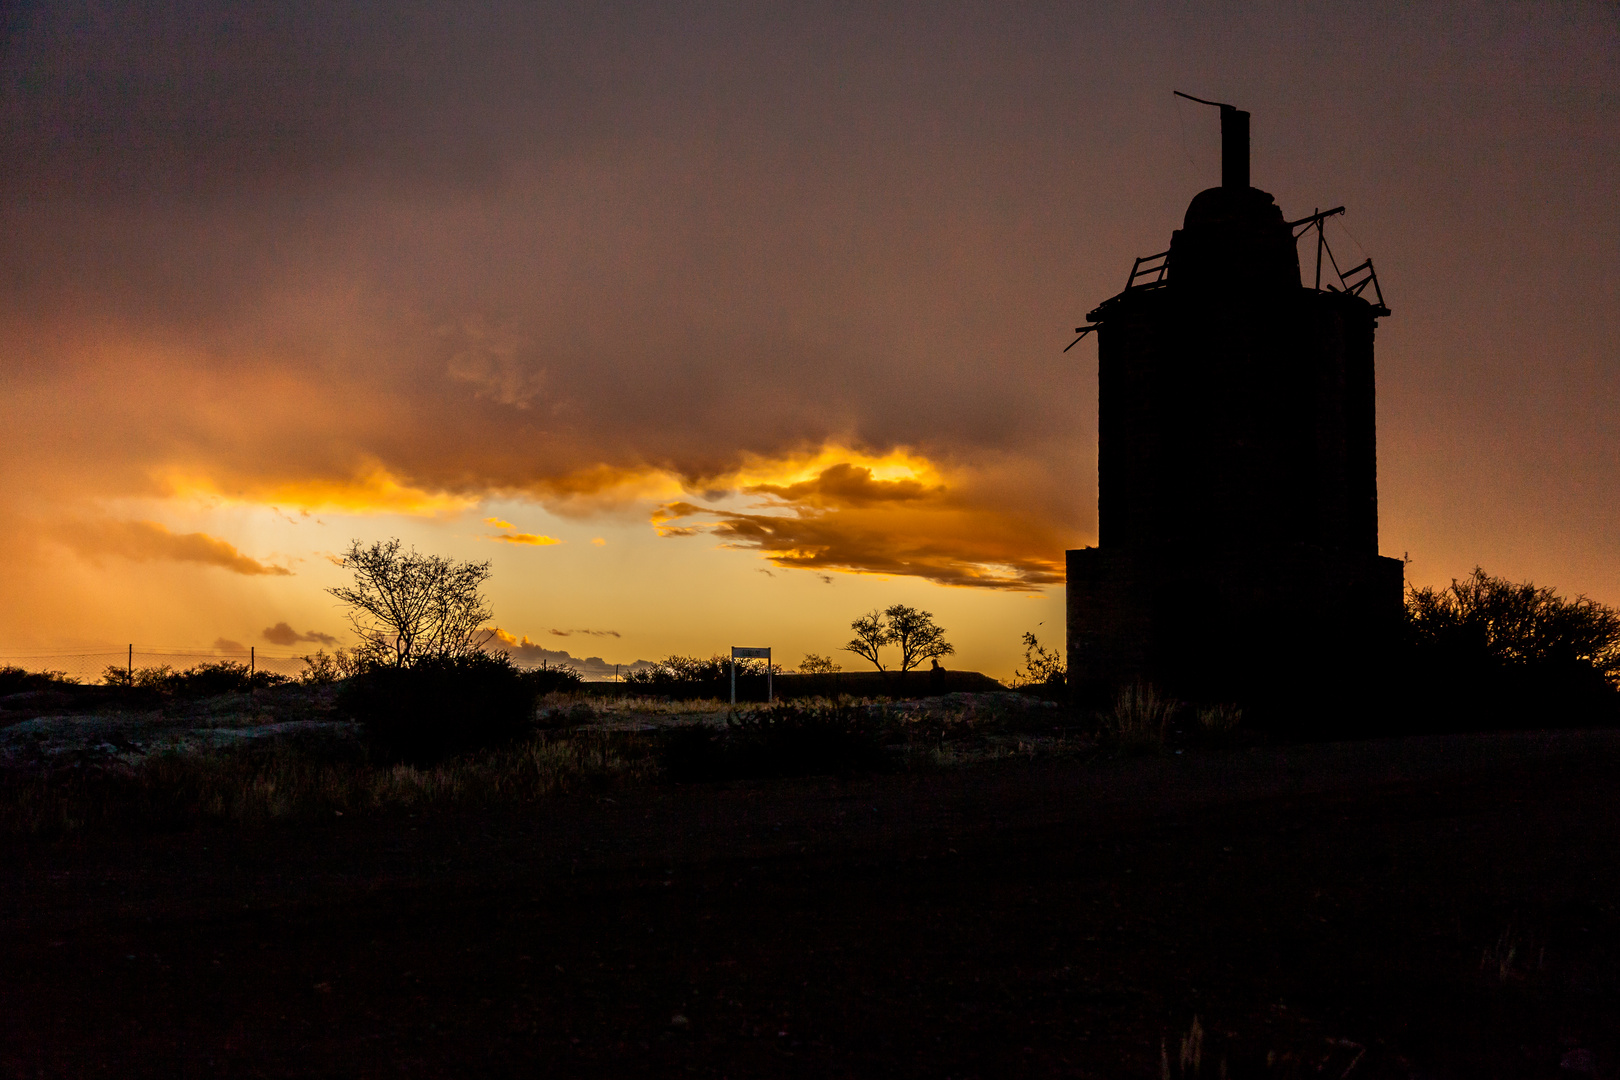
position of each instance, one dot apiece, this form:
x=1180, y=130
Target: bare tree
x=406, y=607
x=871, y=634
x=919, y=639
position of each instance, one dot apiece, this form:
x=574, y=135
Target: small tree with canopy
x=407, y=607
x=916, y=635
x=871, y=634
x=425, y=687
x=911, y=629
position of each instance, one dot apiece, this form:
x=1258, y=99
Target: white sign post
x=739, y=652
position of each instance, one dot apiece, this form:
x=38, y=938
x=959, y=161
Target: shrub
x=693, y=752
x=1043, y=667
x=322, y=668
x=221, y=677
x=16, y=680
x=200, y=680
x=695, y=677
x=550, y=680
x=784, y=740
x=147, y=678
x=1499, y=652
x=440, y=706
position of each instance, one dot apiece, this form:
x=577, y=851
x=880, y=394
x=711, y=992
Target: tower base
x=1247, y=626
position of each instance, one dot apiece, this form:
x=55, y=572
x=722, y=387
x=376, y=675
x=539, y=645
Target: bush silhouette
x=1043, y=668
x=16, y=680
x=1495, y=653
x=695, y=677
x=440, y=706
x=222, y=677
x=549, y=680
x=200, y=680
x=322, y=668
x=781, y=741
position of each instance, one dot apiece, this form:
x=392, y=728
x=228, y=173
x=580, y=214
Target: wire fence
x=91, y=667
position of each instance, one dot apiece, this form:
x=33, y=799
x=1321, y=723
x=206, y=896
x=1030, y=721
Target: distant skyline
x=724, y=325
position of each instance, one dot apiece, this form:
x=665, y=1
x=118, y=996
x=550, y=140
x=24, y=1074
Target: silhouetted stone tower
x=1237, y=473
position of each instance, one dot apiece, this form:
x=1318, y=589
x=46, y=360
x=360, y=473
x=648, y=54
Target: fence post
x=129, y=664
x=252, y=663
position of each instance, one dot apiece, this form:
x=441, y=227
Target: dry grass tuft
x=1219, y=723
x=1138, y=719
x=286, y=781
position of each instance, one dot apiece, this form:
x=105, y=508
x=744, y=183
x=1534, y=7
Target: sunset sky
x=723, y=324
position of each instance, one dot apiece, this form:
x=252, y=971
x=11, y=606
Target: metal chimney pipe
x=1234, y=148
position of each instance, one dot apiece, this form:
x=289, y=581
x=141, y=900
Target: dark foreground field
x=1439, y=907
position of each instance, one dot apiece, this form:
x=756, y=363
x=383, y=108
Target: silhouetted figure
x=936, y=678
x=1237, y=483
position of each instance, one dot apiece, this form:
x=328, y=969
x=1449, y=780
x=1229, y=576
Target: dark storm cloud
x=283, y=634
x=524, y=254
x=551, y=248
x=197, y=98
x=662, y=222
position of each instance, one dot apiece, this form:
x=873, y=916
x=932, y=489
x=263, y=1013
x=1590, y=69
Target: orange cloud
x=845, y=484
x=525, y=538
x=145, y=541
x=844, y=517
x=830, y=473
x=892, y=514
x=951, y=547
x=833, y=472
x=518, y=538
x=370, y=490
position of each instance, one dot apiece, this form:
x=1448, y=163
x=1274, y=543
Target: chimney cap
x=1204, y=101
x=1234, y=142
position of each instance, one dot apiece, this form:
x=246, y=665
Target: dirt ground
x=1427, y=907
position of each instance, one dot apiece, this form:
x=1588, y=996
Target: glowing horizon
x=746, y=326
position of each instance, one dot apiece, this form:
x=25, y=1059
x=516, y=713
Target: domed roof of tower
x=1230, y=206
x=1234, y=239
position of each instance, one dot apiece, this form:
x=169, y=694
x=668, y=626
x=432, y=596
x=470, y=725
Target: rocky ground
x=95, y=727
